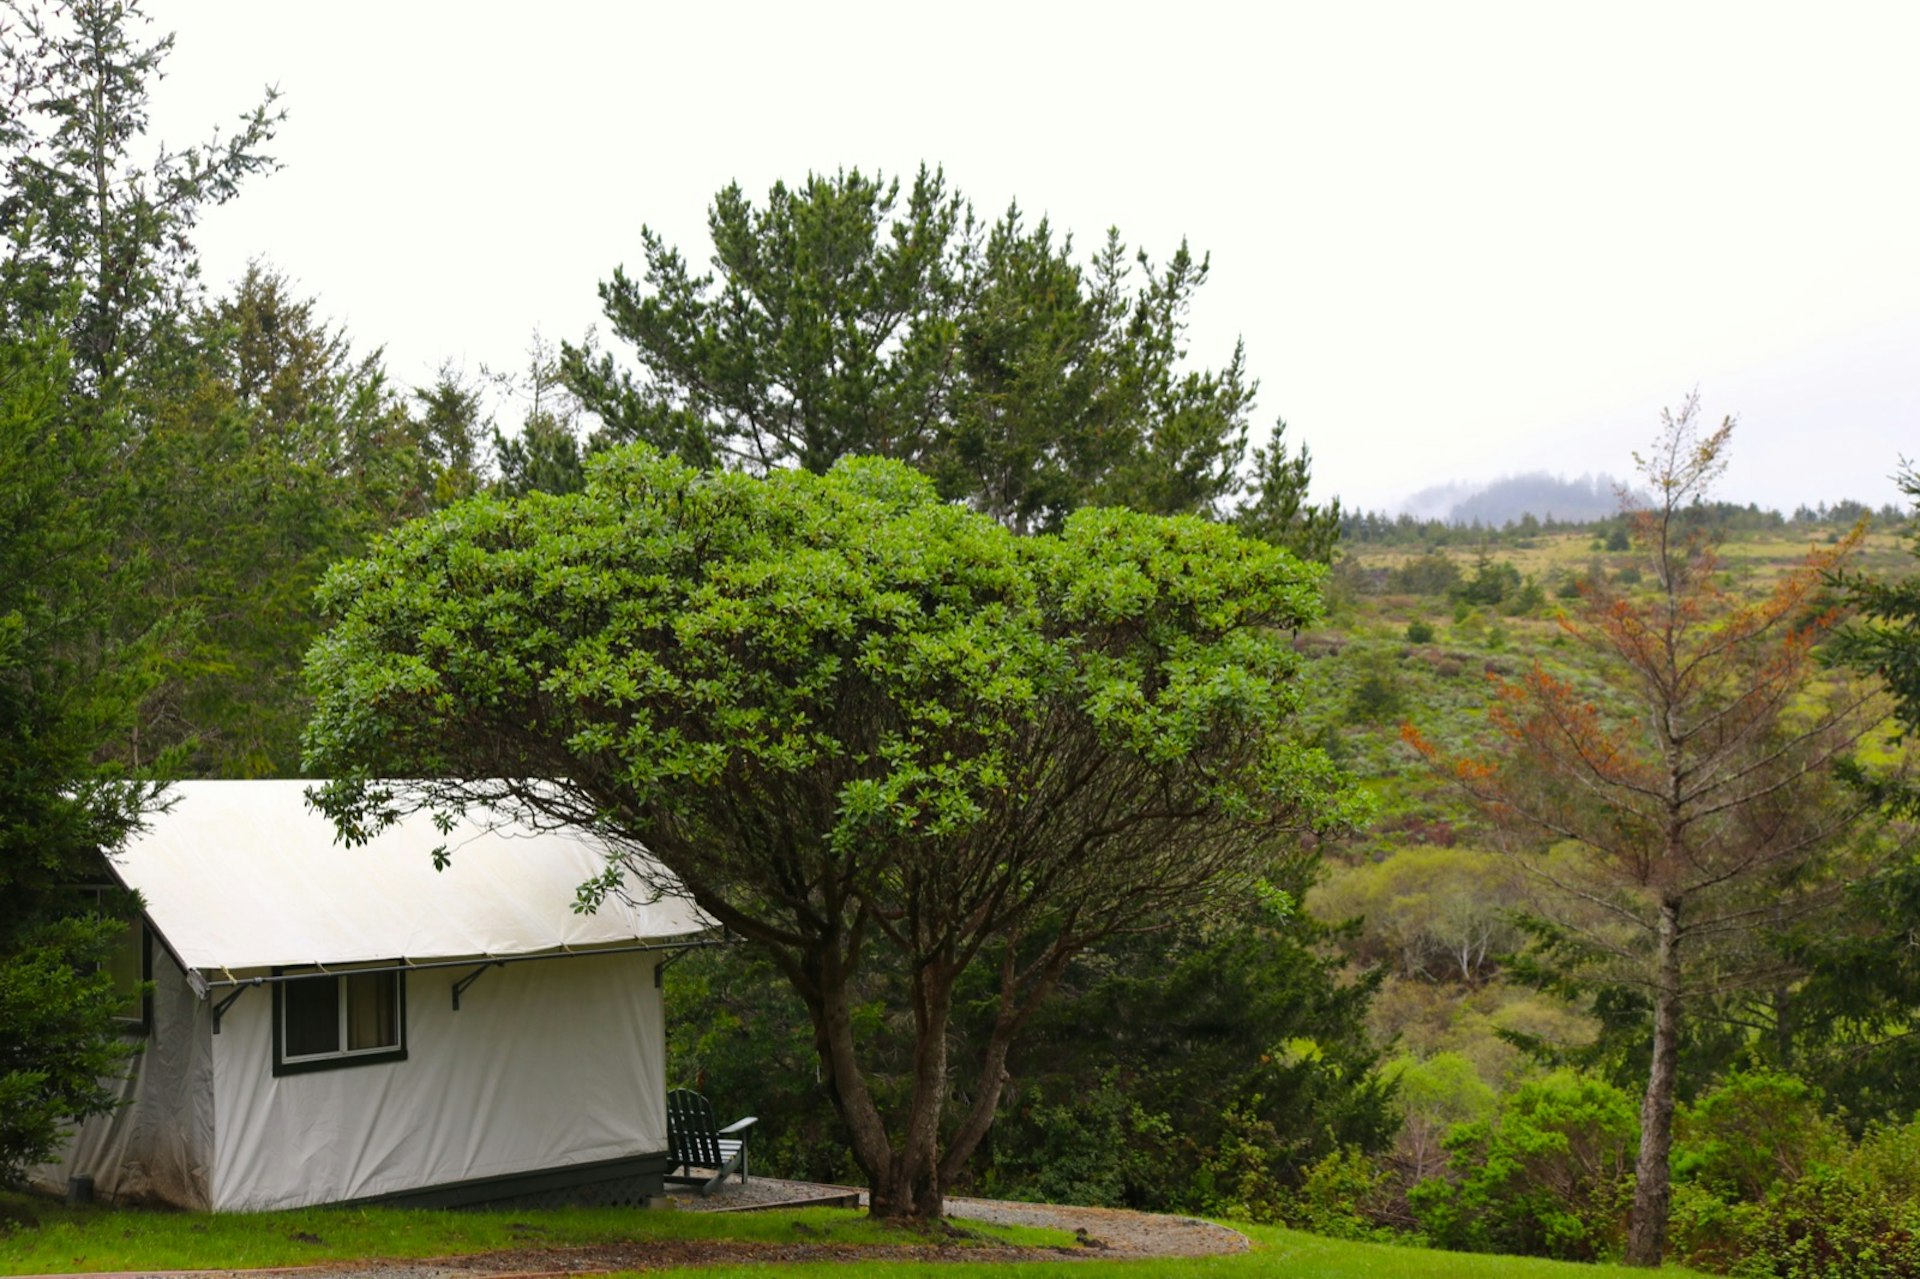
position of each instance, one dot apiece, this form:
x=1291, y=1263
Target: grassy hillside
x=1414, y=633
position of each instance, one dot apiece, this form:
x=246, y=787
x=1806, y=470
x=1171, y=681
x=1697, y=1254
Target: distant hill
x=1544, y=496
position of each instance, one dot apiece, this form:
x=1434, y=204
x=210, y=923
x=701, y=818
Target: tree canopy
x=63, y=691
x=860, y=724
x=843, y=317
x=81, y=212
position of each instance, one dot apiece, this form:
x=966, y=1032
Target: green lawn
x=1277, y=1254
x=93, y=1239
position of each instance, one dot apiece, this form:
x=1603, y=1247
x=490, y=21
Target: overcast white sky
x=1460, y=240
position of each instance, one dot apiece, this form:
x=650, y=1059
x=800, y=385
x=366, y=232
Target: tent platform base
x=628, y=1182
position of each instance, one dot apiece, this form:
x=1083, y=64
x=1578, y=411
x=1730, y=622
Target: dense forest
x=1533, y=878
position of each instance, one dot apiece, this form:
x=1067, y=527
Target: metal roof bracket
x=459, y=987
x=226, y=1003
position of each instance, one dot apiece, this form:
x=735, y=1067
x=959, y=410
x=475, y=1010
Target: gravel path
x=1115, y=1232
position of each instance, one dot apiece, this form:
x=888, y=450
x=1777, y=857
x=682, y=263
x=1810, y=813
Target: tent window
x=339, y=1019
x=130, y=962
x=129, y=967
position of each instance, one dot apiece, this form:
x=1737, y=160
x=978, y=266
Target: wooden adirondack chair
x=695, y=1141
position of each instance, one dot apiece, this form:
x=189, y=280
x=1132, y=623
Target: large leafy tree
x=870, y=730
x=1696, y=818
x=846, y=317
x=1184, y=1069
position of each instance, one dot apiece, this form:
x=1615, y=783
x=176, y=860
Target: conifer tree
x=847, y=317
x=1699, y=815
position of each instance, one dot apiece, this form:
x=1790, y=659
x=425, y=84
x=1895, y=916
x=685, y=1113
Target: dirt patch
x=1111, y=1232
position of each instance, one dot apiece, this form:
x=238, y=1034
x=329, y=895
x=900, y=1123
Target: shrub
x=1833, y=1225
x=1436, y=1095
x=1376, y=697
x=1889, y=1157
x=1826, y=1211
x=1752, y=1135
x=1345, y=1195
x=1419, y=631
x=1098, y=1147
x=1430, y=574
x=1236, y=1177
x=1551, y=1175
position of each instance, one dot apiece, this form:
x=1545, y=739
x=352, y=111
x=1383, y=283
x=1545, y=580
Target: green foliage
x=545, y=457
x=82, y=215
x=1789, y=1199
x=1277, y=509
x=1830, y=1225
x=737, y=1033
x=1491, y=585
x=278, y=452
x=63, y=691
x=1194, y=1071
x=1420, y=631
x=449, y=430
x=843, y=319
x=1850, y=1024
x=1342, y=1196
x=1104, y=1145
x=1752, y=1134
x=1885, y=643
x=58, y=1050
x=1435, y=1095
x=869, y=730
x=1550, y=1175
x=1430, y=574
x=1436, y=913
x=1123, y=1079
x=1376, y=696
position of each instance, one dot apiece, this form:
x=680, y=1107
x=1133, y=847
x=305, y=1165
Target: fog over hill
x=1545, y=496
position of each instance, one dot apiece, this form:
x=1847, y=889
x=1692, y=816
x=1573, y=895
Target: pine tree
x=1698, y=818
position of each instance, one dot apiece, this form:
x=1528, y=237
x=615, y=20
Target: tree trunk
x=1652, y=1187
x=846, y=1085
x=914, y=1187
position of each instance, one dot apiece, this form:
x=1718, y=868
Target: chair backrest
x=692, y=1132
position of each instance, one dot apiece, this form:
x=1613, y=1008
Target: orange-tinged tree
x=1697, y=800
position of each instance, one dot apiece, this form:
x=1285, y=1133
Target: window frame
x=142, y=1025
x=340, y=1058
x=138, y=1026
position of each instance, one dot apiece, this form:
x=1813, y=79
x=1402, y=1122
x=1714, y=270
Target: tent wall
x=158, y=1146
x=549, y=1065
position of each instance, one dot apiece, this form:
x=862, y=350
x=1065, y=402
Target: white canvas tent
x=331, y=1024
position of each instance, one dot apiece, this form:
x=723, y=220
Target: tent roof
x=245, y=875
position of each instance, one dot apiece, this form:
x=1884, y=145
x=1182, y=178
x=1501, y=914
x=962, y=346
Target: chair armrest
x=739, y=1125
